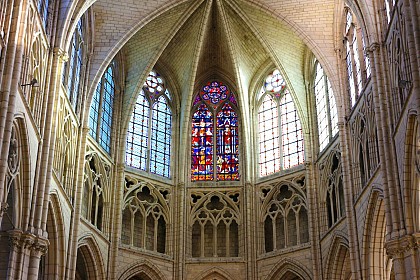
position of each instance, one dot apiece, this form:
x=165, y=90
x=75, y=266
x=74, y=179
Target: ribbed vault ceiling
x=230, y=40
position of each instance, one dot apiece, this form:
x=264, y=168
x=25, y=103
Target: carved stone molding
x=3, y=208
x=398, y=247
x=23, y=240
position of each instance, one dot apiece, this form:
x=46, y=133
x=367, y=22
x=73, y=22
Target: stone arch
x=375, y=260
x=24, y=189
x=411, y=175
x=215, y=273
x=89, y=259
x=338, y=259
x=143, y=268
x=366, y=14
x=54, y=263
x=289, y=269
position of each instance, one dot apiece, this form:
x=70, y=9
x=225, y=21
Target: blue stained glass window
x=149, y=131
x=43, y=6
x=72, y=68
x=137, y=140
x=101, y=110
x=278, y=126
x=161, y=138
x=94, y=111
x=216, y=97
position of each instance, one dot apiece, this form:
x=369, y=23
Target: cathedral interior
x=209, y=139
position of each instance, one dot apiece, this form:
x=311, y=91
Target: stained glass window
x=325, y=107
x=43, y=6
x=280, y=137
x=357, y=59
x=149, y=131
x=72, y=70
x=215, y=158
x=101, y=109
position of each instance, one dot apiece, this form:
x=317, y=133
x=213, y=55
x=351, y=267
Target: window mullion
x=215, y=138
x=99, y=120
x=279, y=131
x=327, y=103
x=149, y=133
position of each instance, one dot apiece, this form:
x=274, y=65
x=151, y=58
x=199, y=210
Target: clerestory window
x=357, y=59
x=215, y=135
x=72, y=72
x=150, y=128
x=326, y=109
x=280, y=137
x=101, y=109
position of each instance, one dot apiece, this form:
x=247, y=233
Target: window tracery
x=95, y=202
x=101, y=109
x=215, y=224
x=279, y=128
x=150, y=129
x=331, y=183
x=364, y=139
x=145, y=221
x=215, y=135
x=34, y=66
x=65, y=147
x=325, y=107
x=284, y=214
x=399, y=63
x=357, y=59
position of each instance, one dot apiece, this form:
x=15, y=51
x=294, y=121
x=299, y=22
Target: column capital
x=399, y=246
x=62, y=54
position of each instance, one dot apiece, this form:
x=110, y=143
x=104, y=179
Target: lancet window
x=388, y=9
x=72, y=71
x=326, y=109
x=357, y=59
x=150, y=129
x=43, y=10
x=101, y=109
x=215, y=135
x=280, y=137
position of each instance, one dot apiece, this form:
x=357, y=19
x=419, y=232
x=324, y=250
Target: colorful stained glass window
x=227, y=144
x=149, y=131
x=325, y=107
x=280, y=135
x=202, y=144
x=215, y=158
x=101, y=109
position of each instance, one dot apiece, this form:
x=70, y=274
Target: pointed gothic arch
x=143, y=268
x=54, y=260
x=89, y=263
x=289, y=269
x=338, y=259
x=215, y=273
x=375, y=259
